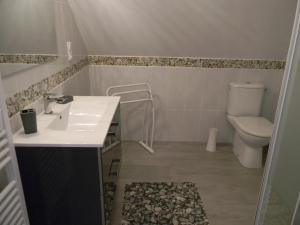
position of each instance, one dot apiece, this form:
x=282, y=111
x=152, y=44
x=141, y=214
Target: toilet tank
x=245, y=99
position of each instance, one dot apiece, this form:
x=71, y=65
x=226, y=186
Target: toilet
x=251, y=131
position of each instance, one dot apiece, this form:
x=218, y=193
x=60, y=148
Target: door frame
x=280, y=112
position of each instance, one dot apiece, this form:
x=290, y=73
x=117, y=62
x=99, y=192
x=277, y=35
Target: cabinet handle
x=110, y=133
x=114, y=124
x=113, y=162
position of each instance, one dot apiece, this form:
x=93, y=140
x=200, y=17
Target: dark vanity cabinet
x=71, y=185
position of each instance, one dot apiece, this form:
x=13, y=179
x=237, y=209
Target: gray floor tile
x=228, y=190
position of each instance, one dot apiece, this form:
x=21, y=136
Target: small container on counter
x=28, y=117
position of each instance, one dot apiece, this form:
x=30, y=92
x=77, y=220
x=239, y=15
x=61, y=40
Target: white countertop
x=81, y=123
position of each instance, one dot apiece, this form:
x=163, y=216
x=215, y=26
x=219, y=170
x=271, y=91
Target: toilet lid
x=256, y=126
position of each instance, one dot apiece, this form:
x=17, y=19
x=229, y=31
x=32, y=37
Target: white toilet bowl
x=251, y=134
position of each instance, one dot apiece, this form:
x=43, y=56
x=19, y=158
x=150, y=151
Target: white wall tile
x=158, y=80
x=78, y=85
x=176, y=84
x=161, y=125
x=194, y=90
x=95, y=81
x=132, y=123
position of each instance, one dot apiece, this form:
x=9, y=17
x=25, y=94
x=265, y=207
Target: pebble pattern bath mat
x=163, y=204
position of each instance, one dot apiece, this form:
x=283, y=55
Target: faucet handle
x=48, y=98
x=49, y=94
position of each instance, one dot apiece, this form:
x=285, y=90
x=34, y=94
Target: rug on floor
x=163, y=204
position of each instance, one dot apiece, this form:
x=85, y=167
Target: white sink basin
x=83, y=122
x=79, y=116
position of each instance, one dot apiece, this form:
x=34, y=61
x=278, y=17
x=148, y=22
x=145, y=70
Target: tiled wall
x=190, y=93
x=26, y=96
x=188, y=100
x=76, y=85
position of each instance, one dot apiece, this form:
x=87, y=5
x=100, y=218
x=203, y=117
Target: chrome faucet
x=48, y=98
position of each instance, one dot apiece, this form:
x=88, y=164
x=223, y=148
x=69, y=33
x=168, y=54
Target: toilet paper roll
x=212, y=140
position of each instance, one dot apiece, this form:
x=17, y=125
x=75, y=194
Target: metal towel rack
x=148, y=123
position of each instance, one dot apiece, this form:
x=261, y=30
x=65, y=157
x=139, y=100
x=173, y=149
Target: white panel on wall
x=65, y=30
x=66, y=25
x=188, y=100
x=28, y=27
x=219, y=29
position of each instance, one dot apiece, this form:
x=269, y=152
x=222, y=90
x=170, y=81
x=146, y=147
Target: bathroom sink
x=79, y=116
x=81, y=123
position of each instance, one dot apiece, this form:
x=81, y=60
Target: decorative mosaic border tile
x=184, y=62
x=20, y=100
x=27, y=59
x=153, y=61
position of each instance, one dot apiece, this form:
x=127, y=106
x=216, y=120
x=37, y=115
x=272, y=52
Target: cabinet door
x=61, y=185
x=12, y=204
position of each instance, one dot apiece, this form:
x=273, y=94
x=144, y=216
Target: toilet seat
x=254, y=125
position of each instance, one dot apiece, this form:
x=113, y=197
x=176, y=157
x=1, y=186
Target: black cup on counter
x=28, y=117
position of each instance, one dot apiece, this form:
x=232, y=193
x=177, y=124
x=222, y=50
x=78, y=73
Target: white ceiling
x=253, y=29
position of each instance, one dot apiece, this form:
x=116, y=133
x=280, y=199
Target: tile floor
x=228, y=190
